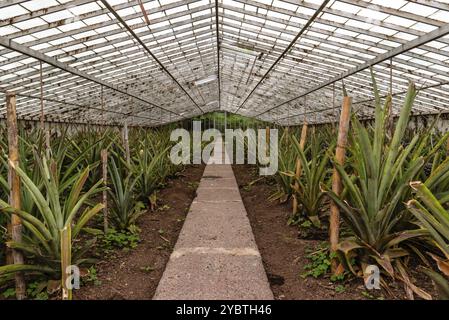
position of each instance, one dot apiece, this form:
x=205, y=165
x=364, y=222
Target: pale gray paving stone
x=216, y=256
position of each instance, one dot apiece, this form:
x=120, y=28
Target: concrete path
x=216, y=256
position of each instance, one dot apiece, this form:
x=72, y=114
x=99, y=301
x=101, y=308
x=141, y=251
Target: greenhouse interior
x=224, y=150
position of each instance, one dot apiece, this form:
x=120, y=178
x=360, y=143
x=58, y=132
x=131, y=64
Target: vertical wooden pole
x=302, y=143
x=267, y=137
x=47, y=138
x=333, y=106
x=447, y=146
x=286, y=133
x=104, y=162
x=333, y=95
x=126, y=142
x=342, y=139
x=102, y=104
x=390, y=122
x=66, y=260
x=14, y=184
x=160, y=120
x=225, y=121
x=42, y=95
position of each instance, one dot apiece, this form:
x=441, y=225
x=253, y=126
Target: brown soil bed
x=284, y=251
x=135, y=274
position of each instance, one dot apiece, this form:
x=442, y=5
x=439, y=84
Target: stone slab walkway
x=215, y=256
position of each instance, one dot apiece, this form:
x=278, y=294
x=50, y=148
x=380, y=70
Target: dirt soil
x=284, y=251
x=135, y=274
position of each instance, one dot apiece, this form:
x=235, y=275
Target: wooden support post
x=342, y=139
x=104, y=162
x=42, y=95
x=333, y=106
x=47, y=140
x=298, y=169
x=390, y=121
x=225, y=122
x=102, y=104
x=267, y=140
x=391, y=76
x=126, y=142
x=447, y=147
x=14, y=185
x=66, y=261
x=286, y=134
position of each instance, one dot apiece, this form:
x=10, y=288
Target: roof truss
x=151, y=62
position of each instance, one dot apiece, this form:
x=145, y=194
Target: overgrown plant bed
x=285, y=250
x=135, y=273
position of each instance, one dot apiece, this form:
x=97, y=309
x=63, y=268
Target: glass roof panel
x=266, y=59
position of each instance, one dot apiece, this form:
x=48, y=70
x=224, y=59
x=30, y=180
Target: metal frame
x=264, y=56
x=442, y=31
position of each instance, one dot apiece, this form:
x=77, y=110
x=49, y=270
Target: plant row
x=62, y=208
x=395, y=193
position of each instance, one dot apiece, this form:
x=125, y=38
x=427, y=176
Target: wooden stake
x=447, y=146
x=47, y=139
x=225, y=122
x=104, y=162
x=391, y=75
x=126, y=142
x=42, y=95
x=14, y=185
x=267, y=137
x=342, y=139
x=102, y=103
x=66, y=261
x=286, y=134
x=390, y=120
x=302, y=143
